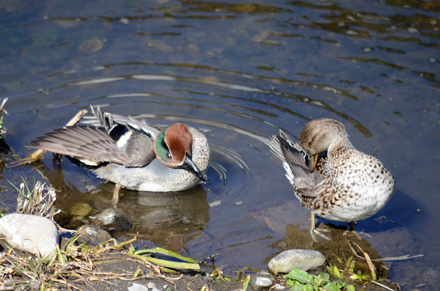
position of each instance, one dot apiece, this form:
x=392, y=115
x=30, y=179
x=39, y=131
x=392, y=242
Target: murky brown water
x=239, y=71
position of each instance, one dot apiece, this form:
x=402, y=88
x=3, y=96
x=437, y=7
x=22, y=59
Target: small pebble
x=109, y=219
x=93, y=235
x=260, y=280
x=80, y=209
x=137, y=287
x=124, y=21
x=215, y=203
x=91, y=46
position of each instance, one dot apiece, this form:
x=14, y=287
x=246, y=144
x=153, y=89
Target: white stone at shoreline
x=35, y=234
x=137, y=287
x=302, y=259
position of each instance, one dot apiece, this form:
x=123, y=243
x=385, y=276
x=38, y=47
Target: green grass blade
x=166, y=252
x=173, y=265
x=246, y=282
x=16, y=188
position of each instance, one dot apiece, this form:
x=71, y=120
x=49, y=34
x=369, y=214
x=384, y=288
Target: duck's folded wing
x=86, y=144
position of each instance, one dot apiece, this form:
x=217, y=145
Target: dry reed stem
x=386, y=259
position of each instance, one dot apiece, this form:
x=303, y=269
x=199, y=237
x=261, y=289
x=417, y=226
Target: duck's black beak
x=189, y=165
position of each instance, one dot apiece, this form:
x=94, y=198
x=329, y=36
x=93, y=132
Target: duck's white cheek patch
x=124, y=138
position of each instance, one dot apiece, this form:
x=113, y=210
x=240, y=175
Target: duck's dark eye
x=169, y=156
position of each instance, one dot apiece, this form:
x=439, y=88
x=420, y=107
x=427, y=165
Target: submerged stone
x=35, y=234
x=302, y=259
x=91, y=46
x=80, y=210
x=110, y=219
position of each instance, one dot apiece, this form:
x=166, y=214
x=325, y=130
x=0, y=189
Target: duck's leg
x=352, y=231
x=352, y=224
x=115, y=198
x=312, y=226
x=318, y=235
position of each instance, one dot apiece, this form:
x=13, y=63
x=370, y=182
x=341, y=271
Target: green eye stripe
x=161, y=147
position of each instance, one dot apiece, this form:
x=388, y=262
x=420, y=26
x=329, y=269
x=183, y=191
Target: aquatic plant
x=301, y=280
x=36, y=200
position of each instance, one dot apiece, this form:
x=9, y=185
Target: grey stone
x=110, y=219
x=260, y=280
x=93, y=235
x=302, y=259
x=35, y=234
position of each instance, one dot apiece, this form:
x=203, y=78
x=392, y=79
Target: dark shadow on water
x=400, y=211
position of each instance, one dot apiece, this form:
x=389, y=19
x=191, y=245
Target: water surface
x=239, y=71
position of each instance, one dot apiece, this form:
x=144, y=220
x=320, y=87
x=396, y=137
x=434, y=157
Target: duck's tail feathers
x=111, y=122
x=292, y=156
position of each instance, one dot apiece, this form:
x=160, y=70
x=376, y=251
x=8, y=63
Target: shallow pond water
x=240, y=71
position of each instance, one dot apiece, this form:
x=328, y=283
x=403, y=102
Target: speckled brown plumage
x=345, y=185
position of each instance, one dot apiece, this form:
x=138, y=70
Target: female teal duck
x=133, y=154
x=330, y=177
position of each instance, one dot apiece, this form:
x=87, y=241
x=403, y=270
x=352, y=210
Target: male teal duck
x=330, y=177
x=132, y=153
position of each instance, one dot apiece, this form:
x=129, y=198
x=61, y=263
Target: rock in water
x=302, y=259
x=35, y=234
x=110, y=219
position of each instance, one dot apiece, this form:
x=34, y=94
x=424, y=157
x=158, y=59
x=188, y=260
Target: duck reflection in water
x=168, y=220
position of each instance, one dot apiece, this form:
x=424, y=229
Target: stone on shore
x=93, y=235
x=35, y=234
x=260, y=281
x=302, y=259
